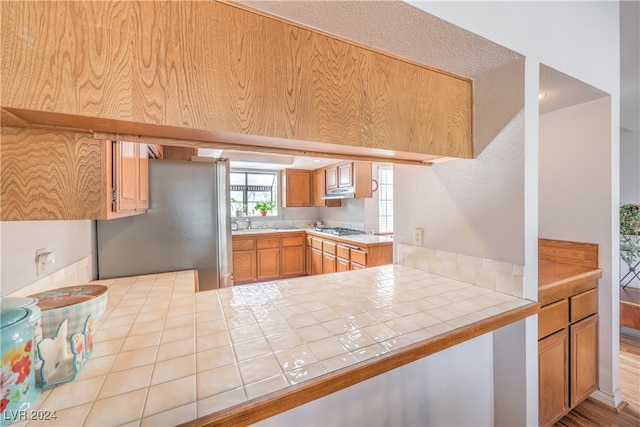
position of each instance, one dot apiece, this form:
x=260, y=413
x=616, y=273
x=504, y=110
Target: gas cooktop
x=338, y=231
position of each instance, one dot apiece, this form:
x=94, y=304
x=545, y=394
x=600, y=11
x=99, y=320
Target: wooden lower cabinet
x=553, y=369
x=584, y=359
x=268, y=263
x=244, y=266
x=329, y=255
x=307, y=266
x=567, y=355
x=343, y=264
x=268, y=257
x=244, y=260
x=293, y=261
x=316, y=261
x=328, y=263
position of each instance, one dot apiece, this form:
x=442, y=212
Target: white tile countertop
x=165, y=355
x=355, y=239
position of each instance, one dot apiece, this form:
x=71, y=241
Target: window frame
x=245, y=188
x=385, y=185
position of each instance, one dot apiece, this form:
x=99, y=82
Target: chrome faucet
x=248, y=221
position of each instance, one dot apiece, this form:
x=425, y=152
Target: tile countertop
x=356, y=239
x=165, y=355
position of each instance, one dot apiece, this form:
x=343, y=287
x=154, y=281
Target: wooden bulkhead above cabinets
x=219, y=75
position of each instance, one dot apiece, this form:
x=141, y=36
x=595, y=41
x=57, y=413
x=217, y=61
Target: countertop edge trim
x=280, y=401
x=563, y=288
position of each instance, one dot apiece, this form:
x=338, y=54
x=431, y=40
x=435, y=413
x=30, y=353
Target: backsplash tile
x=78, y=273
x=490, y=274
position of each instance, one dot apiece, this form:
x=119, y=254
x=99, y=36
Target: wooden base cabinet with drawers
x=329, y=255
x=567, y=333
x=258, y=257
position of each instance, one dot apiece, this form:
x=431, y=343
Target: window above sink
x=249, y=188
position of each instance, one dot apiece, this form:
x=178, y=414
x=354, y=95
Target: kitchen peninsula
x=165, y=354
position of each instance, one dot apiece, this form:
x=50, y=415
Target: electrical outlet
x=40, y=267
x=417, y=236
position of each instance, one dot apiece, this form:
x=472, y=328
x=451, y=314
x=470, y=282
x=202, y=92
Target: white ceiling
x=562, y=91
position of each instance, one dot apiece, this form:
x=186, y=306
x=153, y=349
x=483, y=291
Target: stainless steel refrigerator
x=187, y=226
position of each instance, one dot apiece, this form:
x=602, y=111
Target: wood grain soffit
x=103, y=128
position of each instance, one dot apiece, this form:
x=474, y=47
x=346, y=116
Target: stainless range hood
x=340, y=193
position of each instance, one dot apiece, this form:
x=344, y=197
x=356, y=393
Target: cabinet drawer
x=316, y=243
x=342, y=251
x=553, y=317
x=243, y=245
x=293, y=241
x=268, y=243
x=358, y=256
x=584, y=304
x=329, y=248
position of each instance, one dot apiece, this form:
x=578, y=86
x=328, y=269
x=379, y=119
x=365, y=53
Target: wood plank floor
x=592, y=413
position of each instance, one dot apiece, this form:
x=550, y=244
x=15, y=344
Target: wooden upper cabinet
x=298, y=189
x=126, y=178
x=131, y=178
x=331, y=177
x=51, y=175
x=239, y=71
x=345, y=175
x=143, y=177
x=319, y=190
x=353, y=174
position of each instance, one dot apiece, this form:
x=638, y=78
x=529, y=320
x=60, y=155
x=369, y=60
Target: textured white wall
x=582, y=40
x=575, y=204
x=448, y=388
x=70, y=240
x=470, y=207
x=629, y=166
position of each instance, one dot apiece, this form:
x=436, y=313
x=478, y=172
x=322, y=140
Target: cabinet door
x=342, y=264
x=319, y=190
x=331, y=177
x=143, y=177
x=126, y=156
x=308, y=269
x=345, y=175
x=298, y=189
x=553, y=358
x=584, y=359
x=244, y=266
x=131, y=176
x=316, y=261
x=268, y=261
x=328, y=263
x=292, y=261
x=359, y=257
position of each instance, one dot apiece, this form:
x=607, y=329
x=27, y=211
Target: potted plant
x=238, y=207
x=264, y=207
x=630, y=233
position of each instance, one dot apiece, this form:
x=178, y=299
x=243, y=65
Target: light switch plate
x=417, y=236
